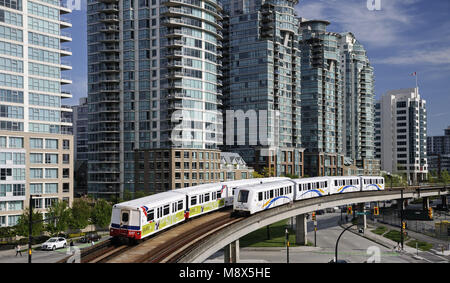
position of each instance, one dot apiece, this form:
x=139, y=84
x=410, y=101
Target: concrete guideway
x=234, y=232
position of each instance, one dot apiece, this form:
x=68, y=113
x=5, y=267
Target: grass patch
x=394, y=236
x=258, y=238
x=424, y=246
x=380, y=230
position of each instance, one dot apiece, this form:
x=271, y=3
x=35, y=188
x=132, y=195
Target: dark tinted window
x=243, y=196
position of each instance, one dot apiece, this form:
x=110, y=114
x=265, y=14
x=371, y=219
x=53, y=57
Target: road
x=39, y=256
x=352, y=248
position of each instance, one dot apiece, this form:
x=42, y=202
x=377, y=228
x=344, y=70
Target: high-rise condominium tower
x=262, y=84
x=359, y=94
x=36, y=151
x=322, y=100
x=154, y=93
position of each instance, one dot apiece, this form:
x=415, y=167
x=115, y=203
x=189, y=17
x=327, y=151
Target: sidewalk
x=418, y=236
x=379, y=239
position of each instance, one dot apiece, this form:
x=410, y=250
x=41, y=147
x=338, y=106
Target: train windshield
x=243, y=196
x=125, y=217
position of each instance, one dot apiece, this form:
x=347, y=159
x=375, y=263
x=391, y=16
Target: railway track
x=187, y=241
x=100, y=252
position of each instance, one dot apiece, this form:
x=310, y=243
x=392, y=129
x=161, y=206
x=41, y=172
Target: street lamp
x=30, y=226
x=337, y=242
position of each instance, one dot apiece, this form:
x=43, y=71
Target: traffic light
x=430, y=213
x=376, y=211
x=349, y=210
x=404, y=225
x=314, y=216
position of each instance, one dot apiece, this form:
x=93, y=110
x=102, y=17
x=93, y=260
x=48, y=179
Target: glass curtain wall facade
x=262, y=75
x=154, y=85
x=358, y=87
x=322, y=100
x=36, y=149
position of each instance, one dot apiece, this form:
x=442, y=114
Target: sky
x=403, y=37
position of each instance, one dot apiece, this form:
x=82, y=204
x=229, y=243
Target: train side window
x=159, y=212
x=150, y=215
x=166, y=210
x=193, y=200
x=335, y=182
x=271, y=193
x=206, y=197
x=180, y=205
x=260, y=196
x=219, y=194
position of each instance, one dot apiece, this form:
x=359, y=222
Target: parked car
x=54, y=243
x=89, y=237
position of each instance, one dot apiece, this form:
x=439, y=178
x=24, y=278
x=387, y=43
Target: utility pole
x=30, y=227
x=287, y=245
x=401, y=219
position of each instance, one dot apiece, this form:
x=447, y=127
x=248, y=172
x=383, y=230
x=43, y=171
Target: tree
x=268, y=172
x=257, y=175
x=59, y=217
x=23, y=224
x=81, y=211
x=445, y=177
x=101, y=214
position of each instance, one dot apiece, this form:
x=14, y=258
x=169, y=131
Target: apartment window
x=15, y=142
x=51, y=188
x=36, y=143
x=66, y=188
x=36, y=189
x=36, y=158
x=36, y=173
x=66, y=172
x=50, y=201
x=66, y=158
x=51, y=173
x=51, y=158
x=51, y=144
x=66, y=144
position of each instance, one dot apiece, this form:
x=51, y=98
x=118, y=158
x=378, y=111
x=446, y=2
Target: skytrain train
x=255, y=198
x=140, y=218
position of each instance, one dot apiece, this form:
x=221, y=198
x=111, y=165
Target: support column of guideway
x=301, y=230
x=231, y=252
x=425, y=203
x=444, y=201
x=361, y=218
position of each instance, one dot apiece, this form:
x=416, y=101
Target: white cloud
x=377, y=28
x=413, y=57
